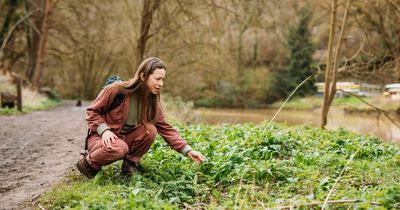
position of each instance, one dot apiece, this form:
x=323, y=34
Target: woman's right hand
x=108, y=138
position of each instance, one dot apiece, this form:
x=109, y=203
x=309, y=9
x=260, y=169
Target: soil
x=37, y=150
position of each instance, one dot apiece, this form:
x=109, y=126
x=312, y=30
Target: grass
x=42, y=105
x=249, y=167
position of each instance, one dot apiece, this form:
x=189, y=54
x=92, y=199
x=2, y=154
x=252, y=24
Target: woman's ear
x=142, y=76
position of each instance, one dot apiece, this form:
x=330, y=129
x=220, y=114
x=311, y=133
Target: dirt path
x=37, y=150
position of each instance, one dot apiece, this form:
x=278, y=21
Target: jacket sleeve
x=171, y=135
x=94, y=113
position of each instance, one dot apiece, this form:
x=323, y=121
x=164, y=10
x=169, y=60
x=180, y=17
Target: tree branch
x=376, y=108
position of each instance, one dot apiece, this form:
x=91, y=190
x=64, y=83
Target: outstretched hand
x=197, y=157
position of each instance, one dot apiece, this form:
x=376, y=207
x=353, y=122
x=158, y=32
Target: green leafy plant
x=248, y=167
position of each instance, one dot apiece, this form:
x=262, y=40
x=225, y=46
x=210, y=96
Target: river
x=360, y=123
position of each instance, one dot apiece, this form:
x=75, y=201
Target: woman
x=128, y=130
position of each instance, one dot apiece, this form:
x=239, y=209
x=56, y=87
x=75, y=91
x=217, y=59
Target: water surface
x=360, y=123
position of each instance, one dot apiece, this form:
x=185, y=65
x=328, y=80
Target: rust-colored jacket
x=115, y=119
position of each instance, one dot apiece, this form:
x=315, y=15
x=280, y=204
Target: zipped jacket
x=99, y=120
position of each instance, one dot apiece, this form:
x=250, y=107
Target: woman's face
x=156, y=81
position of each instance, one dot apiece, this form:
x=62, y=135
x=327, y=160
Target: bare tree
x=332, y=61
x=382, y=18
x=84, y=47
x=148, y=11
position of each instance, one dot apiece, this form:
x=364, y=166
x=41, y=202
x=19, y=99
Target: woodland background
x=218, y=52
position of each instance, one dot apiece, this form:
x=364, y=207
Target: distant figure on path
x=124, y=120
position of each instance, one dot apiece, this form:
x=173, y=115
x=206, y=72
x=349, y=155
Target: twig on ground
x=320, y=202
x=261, y=203
x=216, y=184
x=237, y=194
x=41, y=207
x=35, y=197
x=341, y=174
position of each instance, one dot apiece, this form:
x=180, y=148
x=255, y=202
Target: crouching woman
x=128, y=130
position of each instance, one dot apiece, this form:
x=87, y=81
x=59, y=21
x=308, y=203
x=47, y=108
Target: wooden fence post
x=19, y=94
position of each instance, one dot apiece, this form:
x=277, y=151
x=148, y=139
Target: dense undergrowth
x=248, y=166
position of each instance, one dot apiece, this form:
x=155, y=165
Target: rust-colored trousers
x=135, y=145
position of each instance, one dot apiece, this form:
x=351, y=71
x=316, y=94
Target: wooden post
x=19, y=94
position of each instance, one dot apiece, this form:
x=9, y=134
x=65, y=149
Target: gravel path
x=37, y=150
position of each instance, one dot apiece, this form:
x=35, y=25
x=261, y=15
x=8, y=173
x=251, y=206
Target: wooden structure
x=8, y=100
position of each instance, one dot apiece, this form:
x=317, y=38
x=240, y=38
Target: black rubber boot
x=86, y=169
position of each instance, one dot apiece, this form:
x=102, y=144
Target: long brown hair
x=149, y=102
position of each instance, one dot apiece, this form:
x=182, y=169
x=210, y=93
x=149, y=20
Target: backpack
x=116, y=102
x=118, y=98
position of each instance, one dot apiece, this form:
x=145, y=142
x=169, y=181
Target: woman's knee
x=119, y=148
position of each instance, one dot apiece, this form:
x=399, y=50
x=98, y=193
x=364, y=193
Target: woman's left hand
x=197, y=157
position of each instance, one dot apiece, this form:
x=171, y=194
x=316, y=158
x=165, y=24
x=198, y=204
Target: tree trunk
x=330, y=95
x=336, y=56
x=332, y=28
x=149, y=8
x=42, y=45
x=32, y=39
